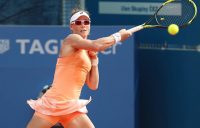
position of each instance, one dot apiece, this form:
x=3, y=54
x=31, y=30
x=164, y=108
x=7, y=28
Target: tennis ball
x=173, y=29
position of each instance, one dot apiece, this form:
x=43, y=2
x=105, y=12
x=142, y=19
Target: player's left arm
x=92, y=79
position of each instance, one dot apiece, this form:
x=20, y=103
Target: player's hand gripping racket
x=179, y=12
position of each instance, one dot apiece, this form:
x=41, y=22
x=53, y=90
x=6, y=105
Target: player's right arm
x=76, y=41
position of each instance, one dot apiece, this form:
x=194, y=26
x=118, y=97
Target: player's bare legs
x=81, y=121
x=38, y=122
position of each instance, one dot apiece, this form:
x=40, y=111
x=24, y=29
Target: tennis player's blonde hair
x=75, y=10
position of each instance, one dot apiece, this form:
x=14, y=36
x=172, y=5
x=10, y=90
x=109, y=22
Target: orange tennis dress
x=64, y=95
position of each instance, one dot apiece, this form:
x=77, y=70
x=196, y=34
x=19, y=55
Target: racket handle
x=135, y=29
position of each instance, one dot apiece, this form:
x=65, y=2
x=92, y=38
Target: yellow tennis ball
x=173, y=29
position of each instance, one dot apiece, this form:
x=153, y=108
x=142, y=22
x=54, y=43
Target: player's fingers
x=92, y=53
x=129, y=33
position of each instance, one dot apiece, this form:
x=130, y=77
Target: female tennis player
x=77, y=64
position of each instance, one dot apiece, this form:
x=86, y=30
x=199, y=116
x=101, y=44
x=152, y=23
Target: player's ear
x=70, y=26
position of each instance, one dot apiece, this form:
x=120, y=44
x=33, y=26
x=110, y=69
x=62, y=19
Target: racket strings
x=188, y=10
x=179, y=12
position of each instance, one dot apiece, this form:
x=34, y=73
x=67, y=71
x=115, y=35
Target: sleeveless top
x=63, y=97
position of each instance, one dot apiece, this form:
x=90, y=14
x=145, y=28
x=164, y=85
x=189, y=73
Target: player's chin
x=84, y=34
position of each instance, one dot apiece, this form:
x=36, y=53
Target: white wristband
x=95, y=62
x=117, y=37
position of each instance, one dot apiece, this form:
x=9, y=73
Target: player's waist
x=64, y=93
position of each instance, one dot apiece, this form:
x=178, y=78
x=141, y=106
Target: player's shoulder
x=71, y=38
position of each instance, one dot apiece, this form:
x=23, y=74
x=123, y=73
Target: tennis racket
x=179, y=12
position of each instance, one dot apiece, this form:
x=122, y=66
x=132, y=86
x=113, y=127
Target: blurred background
x=150, y=81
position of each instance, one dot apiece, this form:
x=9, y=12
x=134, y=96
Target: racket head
x=179, y=12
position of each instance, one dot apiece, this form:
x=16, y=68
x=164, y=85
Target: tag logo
x=4, y=45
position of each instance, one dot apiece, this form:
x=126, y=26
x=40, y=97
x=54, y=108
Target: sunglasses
x=80, y=22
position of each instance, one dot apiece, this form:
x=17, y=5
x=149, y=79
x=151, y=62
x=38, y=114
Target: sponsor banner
x=25, y=45
x=138, y=8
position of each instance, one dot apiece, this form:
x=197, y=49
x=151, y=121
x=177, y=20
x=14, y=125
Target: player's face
x=81, y=26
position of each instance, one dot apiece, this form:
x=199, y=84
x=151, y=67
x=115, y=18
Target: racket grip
x=135, y=29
